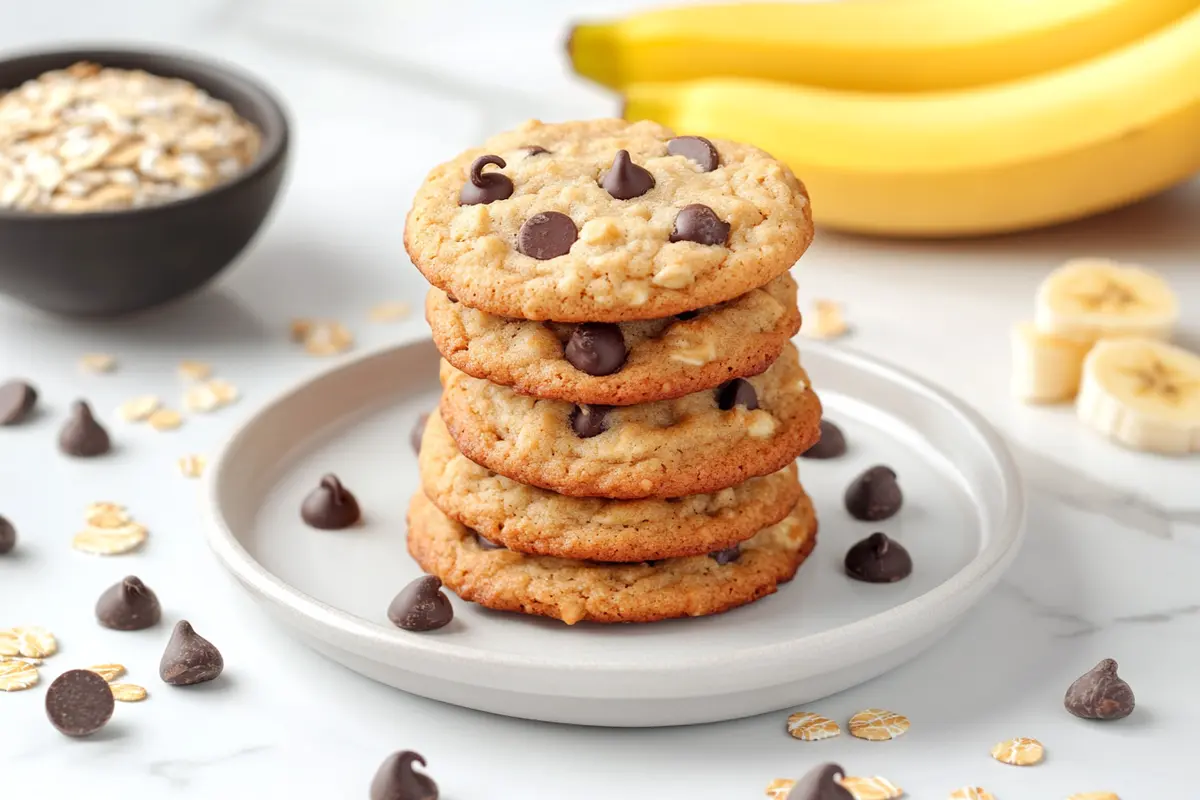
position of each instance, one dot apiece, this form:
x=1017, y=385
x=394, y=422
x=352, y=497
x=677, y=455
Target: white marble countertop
x=379, y=91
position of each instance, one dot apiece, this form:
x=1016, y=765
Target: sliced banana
x=1144, y=394
x=1046, y=368
x=1092, y=299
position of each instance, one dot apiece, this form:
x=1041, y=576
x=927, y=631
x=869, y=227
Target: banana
x=1028, y=153
x=1144, y=394
x=865, y=45
x=1091, y=299
x=1046, y=368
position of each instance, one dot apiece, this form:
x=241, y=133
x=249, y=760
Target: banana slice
x=1093, y=298
x=1046, y=367
x=1144, y=394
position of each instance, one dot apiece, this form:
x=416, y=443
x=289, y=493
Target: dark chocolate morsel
x=625, y=180
x=547, y=235
x=418, y=432
x=189, y=658
x=831, y=444
x=874, y=495
x=8, y=536
x=534, y=150
x=877, y=559
x=699, y=224
x=83, y=436
x=79, y=702
x=17, y=399
x=330, y=506
x=1100, y=694
x=821, y=783
x=597, y=348
x=589, y=421
x=481, y=188
x=421, y=606
x=486, y=544
x=128, y=606
x=697, y=148
x=397, y=780
x=726, y=556
x=738, y=392
x=451, y=298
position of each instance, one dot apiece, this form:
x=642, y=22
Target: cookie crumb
x=1020, y=752
x=810, y=727
x=878, y=725
x=98, y=363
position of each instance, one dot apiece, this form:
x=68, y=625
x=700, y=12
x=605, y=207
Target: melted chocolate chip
x=83, y=436
x=397, y=780
x=8, y=536
x=625, y=180
x=128, y=606
x=547, y=235
x=79, y=702
x=696, y=148
x=1100, y=694
x=17, y=399
x=874, y=495
x=877, y=559
x=597, y=348
x=738, y=392
x=418, y=432
x=189, y=658
x=534, y=150
x=589, y=421
x=831, y=444
x=485, y=543
x=421, y=606
x=699, y=224
x=330, y=506
x=726, y=556
x=481, y=188
x=821, y=783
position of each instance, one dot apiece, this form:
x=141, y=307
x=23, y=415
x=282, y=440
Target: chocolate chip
x=486, y=544
x=189, y=658
x=1100, y=694
x=421, y=606
x=17, y=399
x=330, y=506
x=699, y=224
x=128, y=606
x=874, y=495
x=83, y=436
x=821, y=783
x=534, y=150
x=877, y=559
x=831, y=444
x=547, y=235
x=396, y=779
x=589, y=421
x=625, y=180
x=8, y=536
x=79, y=702
x=481, y=188
x=697, y=148
x=726, y=556
x=418, y=432
x=597, y=348
x=738, y=392
x=451, y=298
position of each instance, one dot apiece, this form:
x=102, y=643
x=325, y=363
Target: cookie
x=619, y=363
x=695, y=444
x=574, y=591
x=558, y=225
x=538, y=522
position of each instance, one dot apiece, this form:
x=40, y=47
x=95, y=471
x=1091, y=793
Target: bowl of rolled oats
x=129, y=178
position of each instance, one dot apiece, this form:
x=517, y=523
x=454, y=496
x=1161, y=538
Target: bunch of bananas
x=930, y=118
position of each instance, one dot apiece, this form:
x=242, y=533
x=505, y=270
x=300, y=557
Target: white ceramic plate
x=962, y=522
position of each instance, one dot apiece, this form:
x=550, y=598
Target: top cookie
x=606, y=221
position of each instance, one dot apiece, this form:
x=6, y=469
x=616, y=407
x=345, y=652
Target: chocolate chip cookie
x=574, y=591
x=605, y=221
x=699, y=443
x=537, y=522
x=619, y=363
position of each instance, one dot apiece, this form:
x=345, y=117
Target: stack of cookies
x=622, y=406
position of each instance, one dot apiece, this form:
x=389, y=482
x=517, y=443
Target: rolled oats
x=1020, y=752
x=138, y=409
x=826, y=321
x=127, y=692
x=93, y=362
x=971, y=793
x=31, y=642
x=192, y=466
x=873, y=788
x=110, y=672
x=1094, y=796
x=390, y=311
x=779, y=788
x=810, y=727
x=878, y=725
x=164, y=419
x=110, y=541
x=194, y=370
x=106, y=515
x=16, y=675
x=327, y=338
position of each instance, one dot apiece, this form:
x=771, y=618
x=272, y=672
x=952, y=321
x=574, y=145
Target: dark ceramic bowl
x=114, y=262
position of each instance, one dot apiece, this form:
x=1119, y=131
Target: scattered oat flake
x=110, y=672
x=1020, y=752
x=201, y=399
x=194, y=370
x=810, y=727
x=110, y=541
x=98, y=362
x=826, y=321
x=17, y=675
x=192, y=466
x=1094, y=796
x=328, y=339
x=874, y=788
x=127, y=692
x=971, y=793
x=298, y=329
x=778, y=789
x=224, y=391
x=106, y=515
x=31, y=642
x=877, y=725
x=390, y=311
x=8, y=643
x=138, y=409
x=164, y=419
